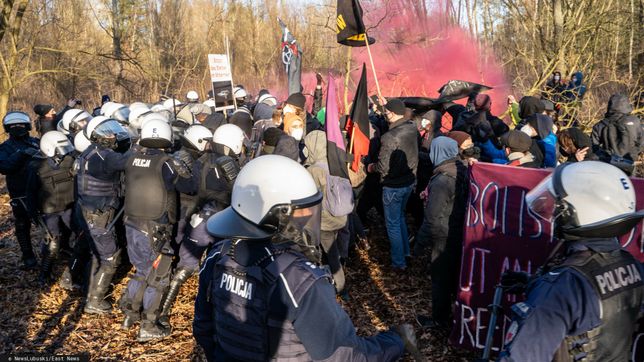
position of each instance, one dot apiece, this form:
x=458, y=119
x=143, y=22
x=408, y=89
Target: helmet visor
x=64, y=148
x=111, y=128
x=541, y=200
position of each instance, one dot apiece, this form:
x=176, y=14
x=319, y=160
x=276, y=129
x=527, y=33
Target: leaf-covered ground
x=33, y=319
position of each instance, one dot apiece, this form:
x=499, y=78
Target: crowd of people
x=246, y=198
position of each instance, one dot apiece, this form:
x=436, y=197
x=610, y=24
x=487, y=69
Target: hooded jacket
x=447, y=197
x=619, y=133
x=575, y=90
x=316, y=159
x=580, y=140
x=546, y=139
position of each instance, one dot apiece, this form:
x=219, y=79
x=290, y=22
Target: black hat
x=297, y=100
x=42, y=109
x=105, y=98
x=396, y=106
x=516, y=141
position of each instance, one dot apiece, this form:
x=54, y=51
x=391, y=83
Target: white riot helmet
x=136, y=115
x=230, y=136
x=197, y=137
x=74, y=120
x=170, y=104
x=107, y=132
x=156, y=133
x=152, y=116
x=589, y=199
x=60, y=128
x=81, y=142
x=273, y=197
x=55, y=143
x=16, y=123
x=192, y=96
x=210, y=103
x=240, y=94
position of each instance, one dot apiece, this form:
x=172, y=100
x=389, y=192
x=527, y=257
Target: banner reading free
x=502, y=234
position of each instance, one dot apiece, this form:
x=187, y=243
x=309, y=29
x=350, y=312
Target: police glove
x=408, y=336
x=182, y=167
x=515, y=282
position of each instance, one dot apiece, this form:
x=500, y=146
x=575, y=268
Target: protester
x=397, y=163
x=575, y=90
x=575, y=145
x=466, y=148
x=442, y=228
x=517, y=147
x=554, y=87
x=620, y=133
x=317, y=165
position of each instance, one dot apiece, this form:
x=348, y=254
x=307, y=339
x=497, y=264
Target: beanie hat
x=297, y=100
x=516, y=141
x=396, y=106
x=482, y=102
x=459, y=137
x=289, y=120
x=42, y=109
x=105, y=98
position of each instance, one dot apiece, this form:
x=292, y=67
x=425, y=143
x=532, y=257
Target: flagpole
x=373, y=67
x=346, y=81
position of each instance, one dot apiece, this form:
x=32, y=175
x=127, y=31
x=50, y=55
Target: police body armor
x=57, y=185
x=616, y=278
x=246, y=328
x=89, y=185
x=218, y=174
x=146, y=196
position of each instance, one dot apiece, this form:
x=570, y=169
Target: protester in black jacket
x=619, y=133
x=443, y=225
x=397, y=164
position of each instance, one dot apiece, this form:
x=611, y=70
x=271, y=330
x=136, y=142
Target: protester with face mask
x=539, y=128
x=15, y=154
x=295, y=104
x=554, y=88
x=289, y=144
x=467, y=150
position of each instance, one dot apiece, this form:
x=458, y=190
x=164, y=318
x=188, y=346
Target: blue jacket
x=549, y=147
x=490, y=152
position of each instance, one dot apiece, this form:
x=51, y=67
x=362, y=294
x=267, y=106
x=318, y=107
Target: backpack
x=338, y=193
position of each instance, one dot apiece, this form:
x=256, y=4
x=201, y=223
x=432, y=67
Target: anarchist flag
x=336, y=153
x=358, y=122
x=349, y=26
x=292, y=59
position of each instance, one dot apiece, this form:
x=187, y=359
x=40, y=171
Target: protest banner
x=221, y=77
x=502, y=234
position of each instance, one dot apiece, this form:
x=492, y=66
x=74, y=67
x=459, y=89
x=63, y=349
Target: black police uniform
x=151, y=184
x=98, y=184
x=14, y=162
x=584, y=308
x=258, y=301
x=52, y=182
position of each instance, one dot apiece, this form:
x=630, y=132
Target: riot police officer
x=195, y=141
x=52, y=197
x=584, y=303
x=262, y=295
x=98, y=185
x=151, y=181
x=15, y=154
x=73, y=121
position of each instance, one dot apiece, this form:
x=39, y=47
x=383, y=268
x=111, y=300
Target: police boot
x=99, y=284
x=23, y=230
x=179, y=278
x=130, y=309
x=151, y=330
x=49, y=256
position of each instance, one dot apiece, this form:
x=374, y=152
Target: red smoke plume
x=416, y=53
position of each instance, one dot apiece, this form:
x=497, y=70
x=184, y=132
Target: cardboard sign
x=221, y=77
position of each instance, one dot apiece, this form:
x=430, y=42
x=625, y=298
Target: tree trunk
x=558, y=20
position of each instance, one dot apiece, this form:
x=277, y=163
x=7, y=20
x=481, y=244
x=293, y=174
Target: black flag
x=349, y=25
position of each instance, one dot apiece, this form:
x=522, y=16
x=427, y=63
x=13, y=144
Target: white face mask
x=297, y=133
x=288, y=109
x=424, y=123
x=527, y=129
